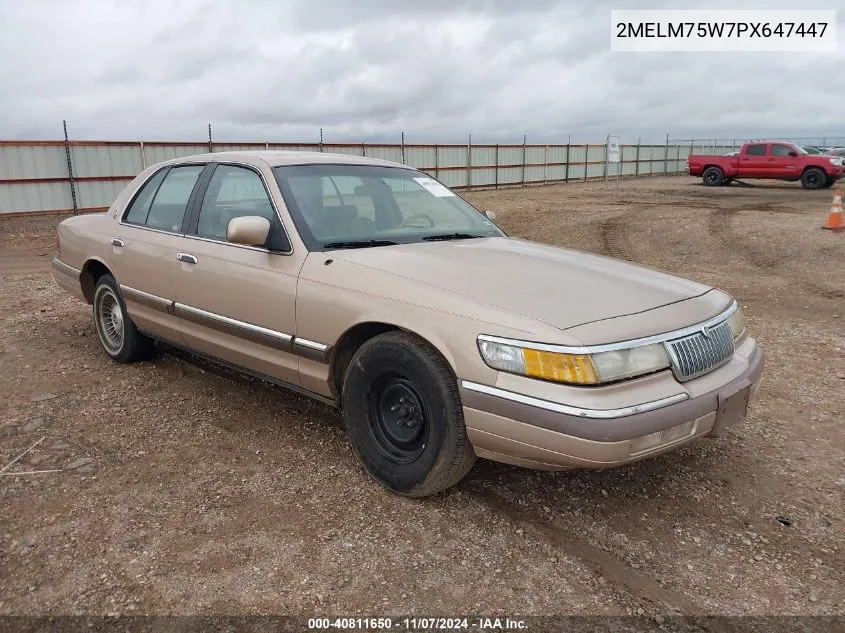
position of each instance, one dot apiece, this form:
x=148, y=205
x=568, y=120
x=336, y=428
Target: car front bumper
x=507, y=427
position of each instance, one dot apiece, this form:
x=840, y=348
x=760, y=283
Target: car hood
x=561, y=287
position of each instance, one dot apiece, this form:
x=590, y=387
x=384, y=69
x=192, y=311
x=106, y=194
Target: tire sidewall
x=376, y=359
x=821, y=179
x=108, y=284
x=717, y=181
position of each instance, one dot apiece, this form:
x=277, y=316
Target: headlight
x=737, y=322
x=836, y=161
x=576, y=369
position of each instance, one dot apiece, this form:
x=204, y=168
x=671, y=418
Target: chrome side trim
x=255, y=333
x=147, y=299
x=311, y=344
x=608, y=347
x=601, y=414
x=66, y=269
x=311, y=349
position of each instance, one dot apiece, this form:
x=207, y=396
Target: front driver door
x=237, y=303
x=781, y=163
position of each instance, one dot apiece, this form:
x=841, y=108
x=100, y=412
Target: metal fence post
x=321, y=139
x=210, y=144
x=666, y=157
x=267, y=145
x=496, y=172
x=437, y=162
x=469, y=162
x=143, y=155
x=363, y=149
x=70, y=171
x=637, y=159
x=678, y=169
x=586, y=160
x=403, y=147
x=566, y=172
x=546, y=164
x=524, y=152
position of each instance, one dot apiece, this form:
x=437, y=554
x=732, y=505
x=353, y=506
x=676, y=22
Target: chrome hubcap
x=109, y=320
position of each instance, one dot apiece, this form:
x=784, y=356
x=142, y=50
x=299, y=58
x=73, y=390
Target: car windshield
x=363, y=206
x=809, y=150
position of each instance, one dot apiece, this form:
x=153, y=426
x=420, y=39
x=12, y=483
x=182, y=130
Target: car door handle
x=186, y=257
x=117, y=242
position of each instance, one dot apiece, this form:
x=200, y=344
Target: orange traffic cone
x=835, y=221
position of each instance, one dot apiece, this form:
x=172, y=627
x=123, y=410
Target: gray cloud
x=369, y=69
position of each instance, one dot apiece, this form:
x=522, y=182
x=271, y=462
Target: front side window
x=235, y=192
x=345, y=206
x=162, y=202
x=756, y=150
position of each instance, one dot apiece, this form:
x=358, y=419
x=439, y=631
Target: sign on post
x=613, y=155
x=614, y=150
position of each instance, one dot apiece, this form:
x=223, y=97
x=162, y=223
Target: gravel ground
x=187, y=489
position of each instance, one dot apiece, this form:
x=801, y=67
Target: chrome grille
x=698, y=353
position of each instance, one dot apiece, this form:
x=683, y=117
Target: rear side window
x=756, y=150
x=781, y=150
x=140, y=207
x=171, y=200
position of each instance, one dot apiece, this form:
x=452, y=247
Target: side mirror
x=792, y=153
x=249, y=230
x=491, y=215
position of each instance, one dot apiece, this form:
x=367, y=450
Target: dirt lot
x=188, y=490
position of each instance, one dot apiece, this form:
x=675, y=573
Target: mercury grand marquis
x=372, y=287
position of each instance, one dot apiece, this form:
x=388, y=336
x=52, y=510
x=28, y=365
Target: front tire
x=713, y=176
x=813, y=178
x=403, y=415
x=118, y=335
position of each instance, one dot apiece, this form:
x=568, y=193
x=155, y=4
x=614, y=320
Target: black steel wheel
x=403, y=415
x=713, y=176
x=813, y=178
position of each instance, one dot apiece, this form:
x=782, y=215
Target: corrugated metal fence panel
x=535, y=174
x=577, y=154
x=510, y=175
x=98, y=193
x=510, y=155
x=596, y=153
x=159, y=153
x=106, y=160
x=421, y=157
x=535, y=154
x=483, y=177
x=22, y=161
x=484, y=156
x=385, y=152
x=452, y=156
x=295, y=147
x=454, y=178
x=238, y=147
x=557, y=153
x=50, y=196
x=629, y=152
x=354, y=150
x=556, y=172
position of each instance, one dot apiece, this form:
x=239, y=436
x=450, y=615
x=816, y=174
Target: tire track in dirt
x=612, y=568
x=719, y=226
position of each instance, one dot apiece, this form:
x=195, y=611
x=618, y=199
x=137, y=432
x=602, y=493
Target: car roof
x=275, y=158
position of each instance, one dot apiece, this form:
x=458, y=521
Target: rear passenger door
x=144, y=247
x=782, y=164
x=235, y=302
x=753, y=162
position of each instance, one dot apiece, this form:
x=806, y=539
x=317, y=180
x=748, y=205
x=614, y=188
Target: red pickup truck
x=775, y=161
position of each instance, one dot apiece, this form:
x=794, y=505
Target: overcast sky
x=368, y=69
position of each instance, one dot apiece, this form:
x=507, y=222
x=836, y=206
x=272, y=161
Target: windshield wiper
x=451, y=236
x=360, y=244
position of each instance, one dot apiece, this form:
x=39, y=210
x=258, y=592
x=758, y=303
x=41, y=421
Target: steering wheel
x=408, y=222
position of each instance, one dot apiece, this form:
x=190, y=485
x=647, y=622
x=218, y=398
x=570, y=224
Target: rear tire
x=403, y=415
x=813, y=178
x=713, y=176
x=118, y=335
